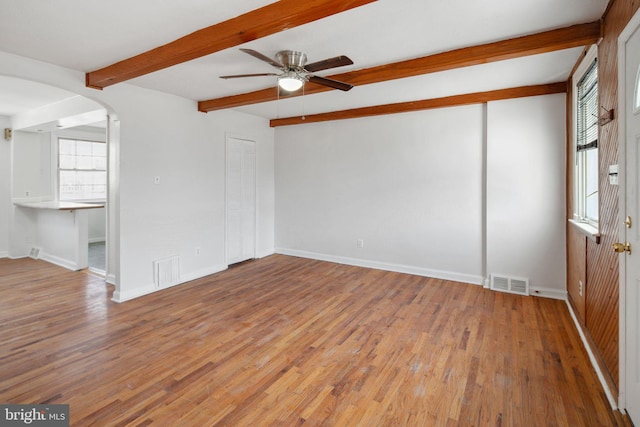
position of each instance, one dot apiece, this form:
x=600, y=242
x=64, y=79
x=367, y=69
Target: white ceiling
x=86, y=35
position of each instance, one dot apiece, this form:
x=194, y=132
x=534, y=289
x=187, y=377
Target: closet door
x=240, y=200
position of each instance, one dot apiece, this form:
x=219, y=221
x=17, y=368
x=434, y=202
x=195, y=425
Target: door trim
x=625, y=35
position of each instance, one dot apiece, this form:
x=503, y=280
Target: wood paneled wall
x=599, y=305
x=577, y=270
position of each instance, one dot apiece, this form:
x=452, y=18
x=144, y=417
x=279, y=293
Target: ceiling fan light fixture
x=291, y=81
x=295, y=71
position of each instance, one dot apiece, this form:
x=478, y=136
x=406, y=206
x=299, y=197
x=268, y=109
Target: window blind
x=587, y=128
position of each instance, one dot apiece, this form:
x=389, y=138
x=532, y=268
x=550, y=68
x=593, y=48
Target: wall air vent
x=34, y=253
x=166, y=272
x=514, y=285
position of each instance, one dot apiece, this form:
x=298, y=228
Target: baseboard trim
x=418, y=271
x=263, y=254
x=377, y=265
x=4, y=254
x=592, y=359
x=61, y=262
x=549, y=293
x=122, y=296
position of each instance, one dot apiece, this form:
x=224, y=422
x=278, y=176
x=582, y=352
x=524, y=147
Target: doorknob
x=622, y=247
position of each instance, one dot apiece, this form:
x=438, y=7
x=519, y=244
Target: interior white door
x=240, y=200
x=632, y=194
x=248, y=200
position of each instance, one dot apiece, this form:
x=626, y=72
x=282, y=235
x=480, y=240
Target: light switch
x=156, y=180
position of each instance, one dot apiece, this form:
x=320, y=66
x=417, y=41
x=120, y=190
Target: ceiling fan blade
x=330, y=83
x=235, y=76
x=338, y=61
x=262, y=57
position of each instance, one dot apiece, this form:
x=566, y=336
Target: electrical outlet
x=580, y=287
x=156, y=180
x=197, y=250
x=360, y=243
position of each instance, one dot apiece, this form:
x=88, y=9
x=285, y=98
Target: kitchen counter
x=59, y=206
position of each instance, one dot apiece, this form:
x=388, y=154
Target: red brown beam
x=447, y=101
x=262, y=22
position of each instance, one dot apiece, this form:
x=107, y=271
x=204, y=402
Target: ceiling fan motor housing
x=292, y=59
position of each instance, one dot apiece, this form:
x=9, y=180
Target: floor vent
x=34, y=253
x=514, y=285
x=166, y=272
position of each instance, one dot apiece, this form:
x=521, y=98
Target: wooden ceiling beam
x=547, y=41
x=448, y=101
x=275, y=17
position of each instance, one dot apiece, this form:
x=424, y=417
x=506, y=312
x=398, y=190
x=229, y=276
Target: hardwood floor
x=286, y=341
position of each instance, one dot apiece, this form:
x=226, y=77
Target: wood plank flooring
x=284, y=341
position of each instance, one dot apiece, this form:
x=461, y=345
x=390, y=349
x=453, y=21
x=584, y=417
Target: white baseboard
x=266, y=253
x=65, y=263
x=127, y=295
x=4, y=254
x=548, y=293
x=592, y=358
x=398, y=268
x=418, y=271
x=204, y=272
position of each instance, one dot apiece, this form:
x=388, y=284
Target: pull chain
x=303, y=117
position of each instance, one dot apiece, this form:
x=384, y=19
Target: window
x=586, y=171
x=82, y=170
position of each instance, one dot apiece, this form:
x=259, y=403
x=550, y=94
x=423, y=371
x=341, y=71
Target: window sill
x=592, y=232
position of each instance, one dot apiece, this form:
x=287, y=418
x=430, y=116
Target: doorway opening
x=50, y=206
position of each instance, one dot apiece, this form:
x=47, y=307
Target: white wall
x=5, y=187
x=165, y=136
x=408, y=185
x=187, y=209
x=30, y=177
x=414, y=187
x=22, y=231
x=526, y=191
x=31, y=166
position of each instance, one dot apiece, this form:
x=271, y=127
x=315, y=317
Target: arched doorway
x=42, y=119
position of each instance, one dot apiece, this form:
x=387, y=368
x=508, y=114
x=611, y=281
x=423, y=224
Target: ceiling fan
x=295, y=71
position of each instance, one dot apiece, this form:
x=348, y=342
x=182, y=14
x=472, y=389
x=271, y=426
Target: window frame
x=580, y=172
x=76, y=136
